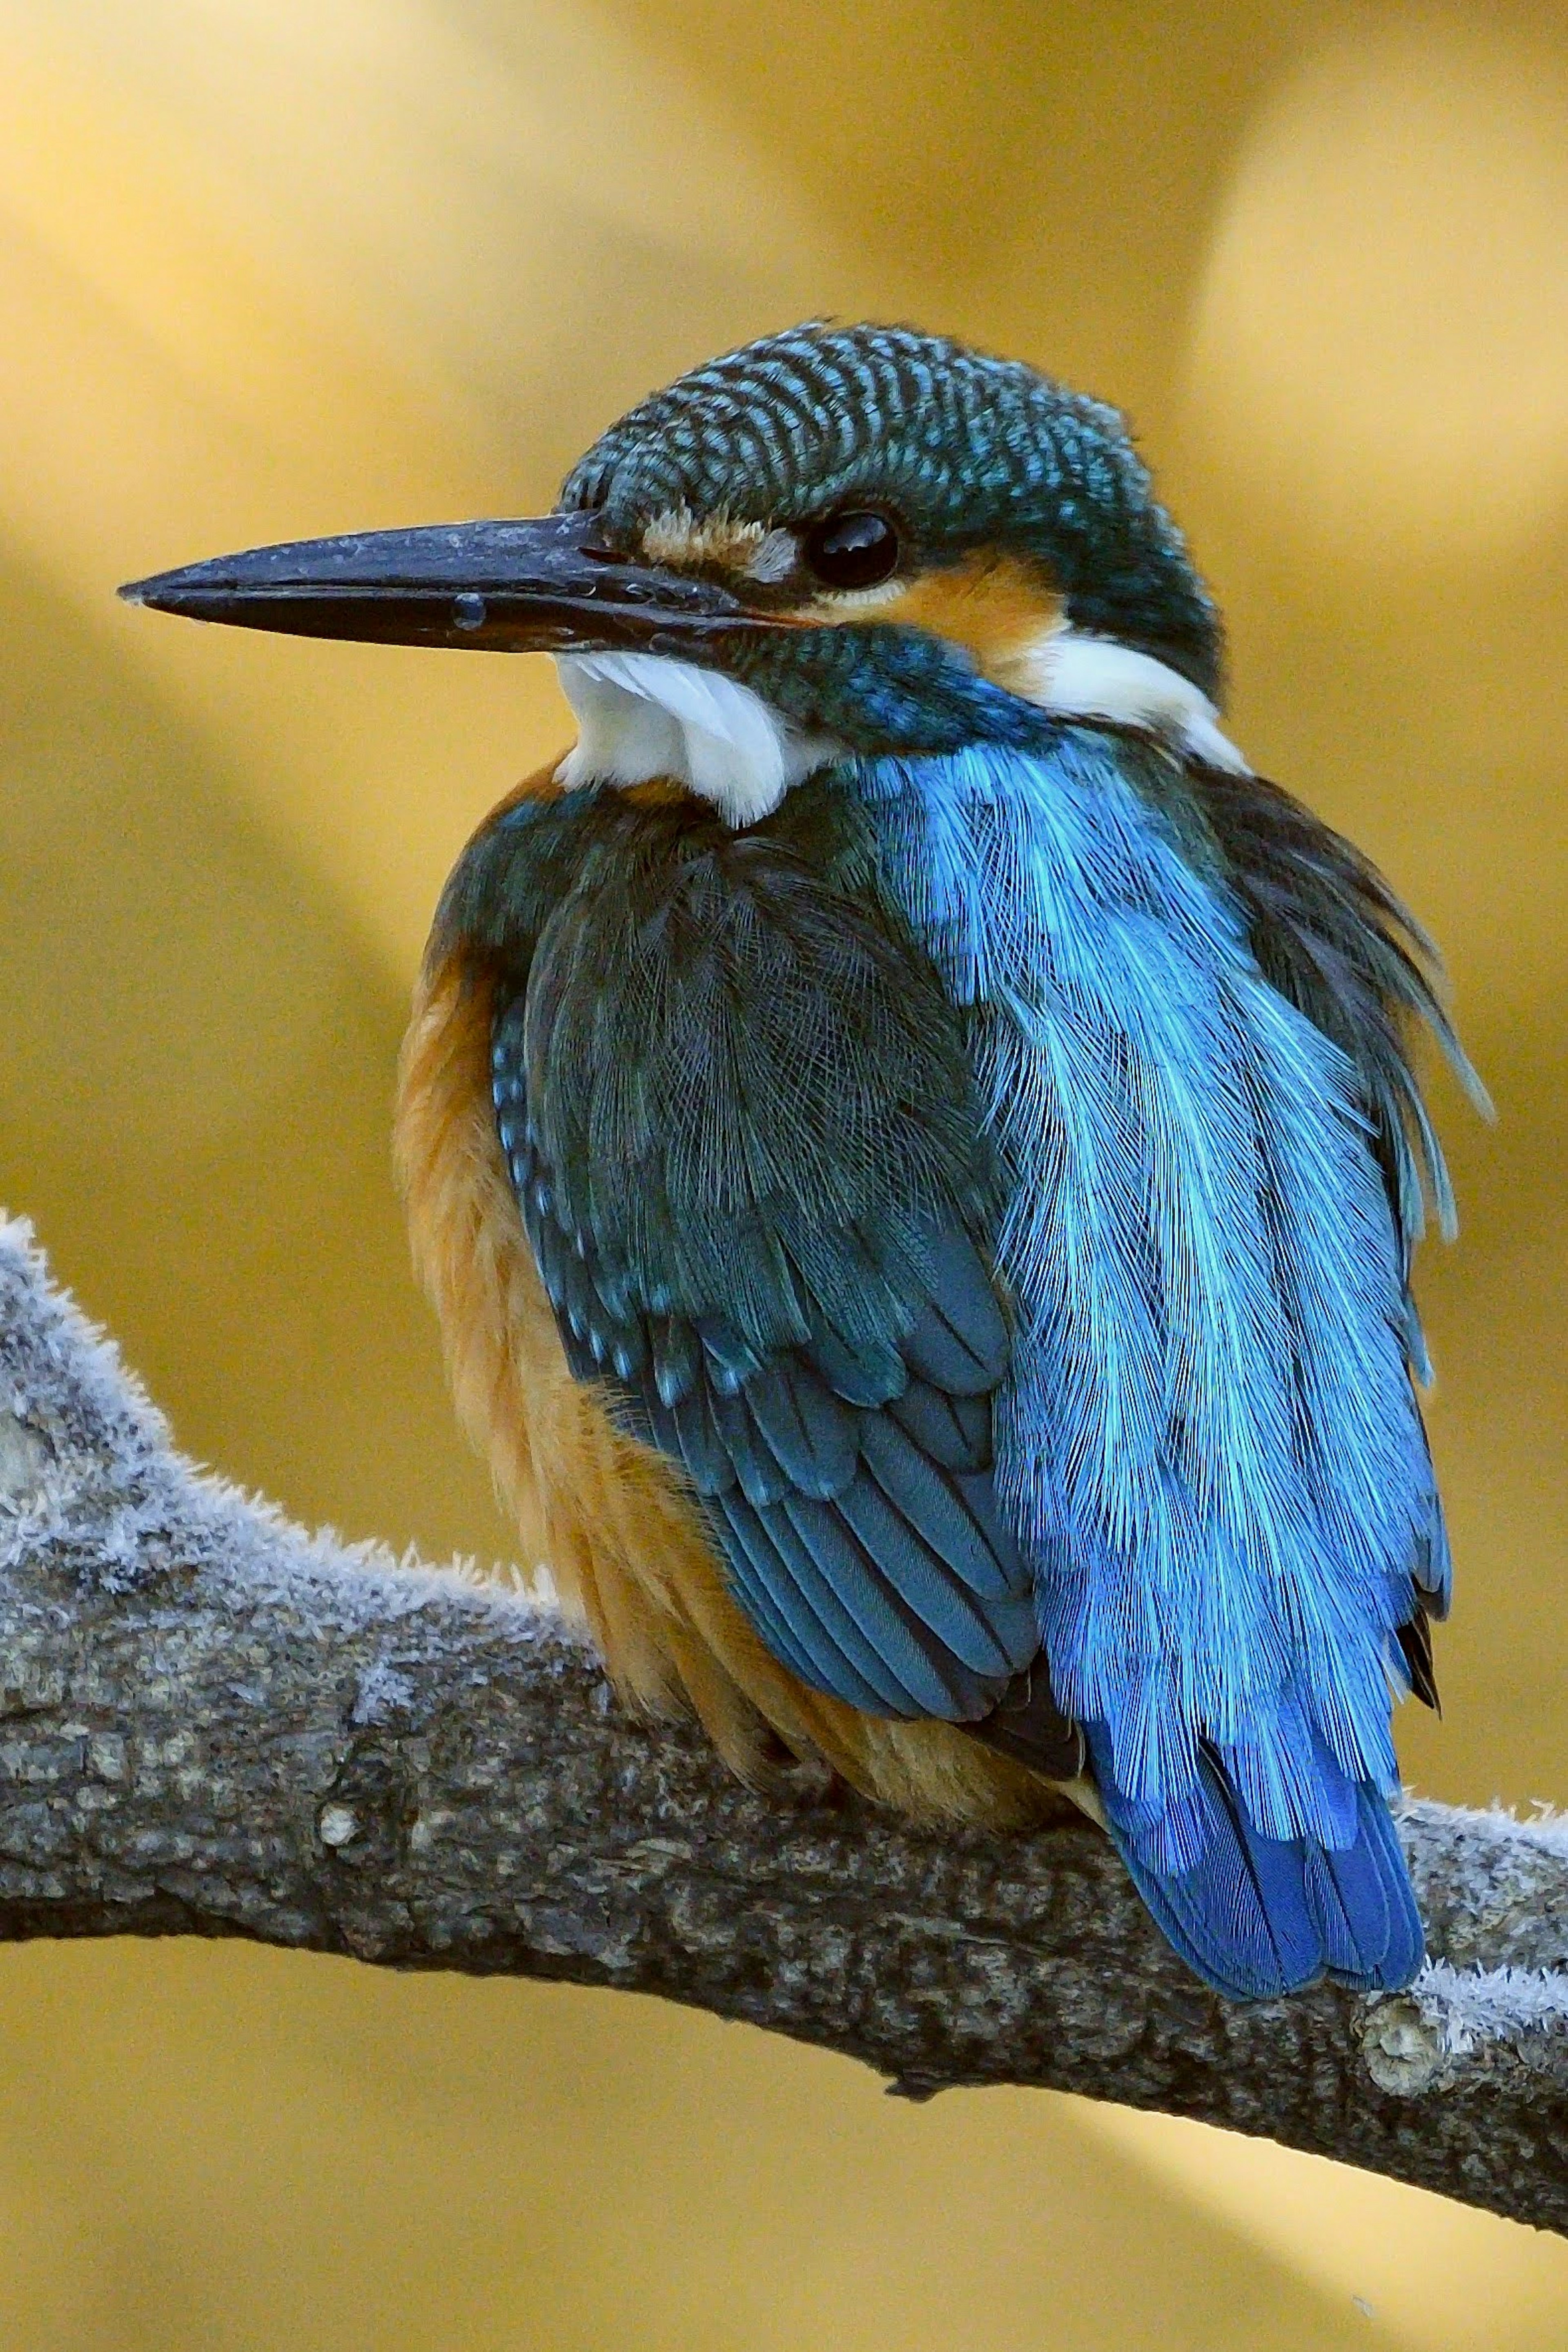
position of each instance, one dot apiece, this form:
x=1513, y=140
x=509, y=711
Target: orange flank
x=608, y=1517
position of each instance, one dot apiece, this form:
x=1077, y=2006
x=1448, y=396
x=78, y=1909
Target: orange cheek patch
x=995, y=606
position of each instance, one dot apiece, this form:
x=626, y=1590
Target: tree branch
x=212, y=1724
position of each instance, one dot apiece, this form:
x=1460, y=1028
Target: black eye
x=853, y=550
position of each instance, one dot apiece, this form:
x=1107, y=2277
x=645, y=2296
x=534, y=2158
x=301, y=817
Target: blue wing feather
x=782, y=1585
x=954, y=1432
x=744, y=1137
x=812, y=1433
x=796, y=1634
x=869, y=1567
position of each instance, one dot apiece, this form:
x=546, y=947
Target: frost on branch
x=214, y=1723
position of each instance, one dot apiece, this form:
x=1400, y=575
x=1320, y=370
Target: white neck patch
x=1086, y=676
x=643, y=716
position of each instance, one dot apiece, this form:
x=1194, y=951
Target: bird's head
x=837, y=539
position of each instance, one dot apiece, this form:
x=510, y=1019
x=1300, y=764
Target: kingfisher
x=914, y=1145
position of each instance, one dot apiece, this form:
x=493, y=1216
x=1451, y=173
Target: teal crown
x=967, y=451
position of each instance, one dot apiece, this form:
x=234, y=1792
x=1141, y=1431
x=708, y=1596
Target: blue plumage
x=1019, y=1276
x=1208, y=1442
x=1257, y=1916
x=743, y=1132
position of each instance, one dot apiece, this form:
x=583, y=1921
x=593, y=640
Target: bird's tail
x=1257, y=1916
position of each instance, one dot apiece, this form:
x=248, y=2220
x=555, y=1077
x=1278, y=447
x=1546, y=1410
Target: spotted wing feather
x=740, y=1124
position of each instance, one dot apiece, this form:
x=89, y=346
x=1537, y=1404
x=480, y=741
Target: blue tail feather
x=1370, y=1885
x=1259, y=1916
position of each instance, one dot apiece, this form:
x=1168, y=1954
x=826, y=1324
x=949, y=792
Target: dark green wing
x=740, y=1122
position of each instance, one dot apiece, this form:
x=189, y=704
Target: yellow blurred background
x=270, y=268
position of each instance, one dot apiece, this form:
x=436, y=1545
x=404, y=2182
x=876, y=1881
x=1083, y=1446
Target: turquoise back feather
x=1209, y=1444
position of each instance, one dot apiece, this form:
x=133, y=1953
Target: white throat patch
x=642, y=716
x=1086, y=676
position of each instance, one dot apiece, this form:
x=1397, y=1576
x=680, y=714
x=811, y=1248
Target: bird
x=915, y=1145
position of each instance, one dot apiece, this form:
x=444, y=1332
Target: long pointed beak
x=547, y=586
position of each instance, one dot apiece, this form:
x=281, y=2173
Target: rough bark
x=212, y=1724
